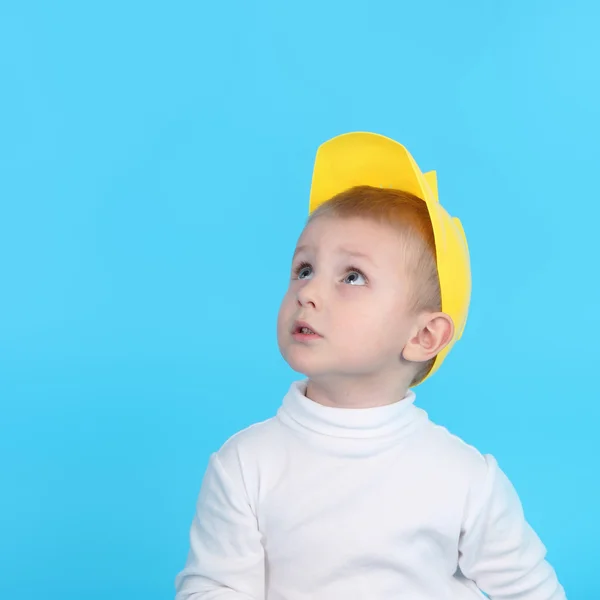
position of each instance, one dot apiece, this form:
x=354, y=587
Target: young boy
x=350, y=492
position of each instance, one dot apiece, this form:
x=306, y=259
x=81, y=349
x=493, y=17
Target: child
x=350, y=492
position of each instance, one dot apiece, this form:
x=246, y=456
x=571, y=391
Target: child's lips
x=305, y=337
x=300, y=335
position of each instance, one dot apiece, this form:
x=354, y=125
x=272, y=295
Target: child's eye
x=303, y=271
x=355, y=277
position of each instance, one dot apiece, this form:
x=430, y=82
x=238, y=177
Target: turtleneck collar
x=378, y=423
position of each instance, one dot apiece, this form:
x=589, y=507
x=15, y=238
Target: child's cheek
x=355, y=293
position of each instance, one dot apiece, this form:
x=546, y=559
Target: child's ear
x=431, y=335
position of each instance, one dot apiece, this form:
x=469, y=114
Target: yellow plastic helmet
x=362, y=158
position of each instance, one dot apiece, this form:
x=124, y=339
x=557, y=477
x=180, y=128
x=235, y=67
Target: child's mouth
x=302, y=336
x=303, y=332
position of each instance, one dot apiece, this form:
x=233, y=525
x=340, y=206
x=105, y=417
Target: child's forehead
x=328, y=232
x=380, y=244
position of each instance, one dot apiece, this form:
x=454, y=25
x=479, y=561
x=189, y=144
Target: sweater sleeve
x=498, y=549
x=226, y=556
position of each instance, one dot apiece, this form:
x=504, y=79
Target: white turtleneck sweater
x=322, y=503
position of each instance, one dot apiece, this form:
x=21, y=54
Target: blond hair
x=408, y=214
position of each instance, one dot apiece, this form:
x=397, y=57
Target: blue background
x=155, y=163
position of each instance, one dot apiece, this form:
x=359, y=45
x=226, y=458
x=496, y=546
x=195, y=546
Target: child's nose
x=308, y=294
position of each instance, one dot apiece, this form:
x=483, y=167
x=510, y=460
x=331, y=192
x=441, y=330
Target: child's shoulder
x=451, y=442
x=449, y=452
x=255, y=435
x=246, y=447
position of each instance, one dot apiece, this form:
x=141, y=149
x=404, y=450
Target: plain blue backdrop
x=155, y=164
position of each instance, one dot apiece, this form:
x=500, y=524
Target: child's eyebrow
x=300, y=249
x=347, y=251
x=357, y=254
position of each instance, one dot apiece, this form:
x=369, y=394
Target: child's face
x=349, y=284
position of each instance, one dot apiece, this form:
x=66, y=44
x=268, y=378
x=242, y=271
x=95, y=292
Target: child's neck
x=356, y=392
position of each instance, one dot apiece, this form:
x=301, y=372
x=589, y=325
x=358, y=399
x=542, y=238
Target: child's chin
x=301, y=368
x=305, y=366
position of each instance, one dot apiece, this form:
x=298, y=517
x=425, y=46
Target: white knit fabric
x=322, y=503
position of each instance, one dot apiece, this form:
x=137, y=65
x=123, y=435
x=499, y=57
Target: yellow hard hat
x=371, y=159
